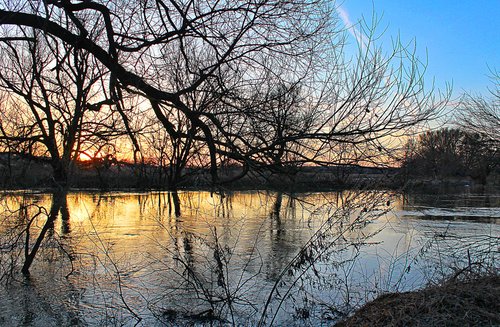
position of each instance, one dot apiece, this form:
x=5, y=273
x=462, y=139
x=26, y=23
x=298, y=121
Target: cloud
x=360, y=37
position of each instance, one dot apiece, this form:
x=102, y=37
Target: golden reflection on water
x=133, y=227
x=139, y=237
x=199, y=209
x=275, y=224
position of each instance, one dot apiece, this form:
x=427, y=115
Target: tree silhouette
x=481, y=114
x=451, y=152
x=53, y=101
x=226, y=53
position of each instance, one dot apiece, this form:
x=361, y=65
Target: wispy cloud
x=360, y=37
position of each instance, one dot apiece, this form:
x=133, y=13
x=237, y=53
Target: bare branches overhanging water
x=263, y=85
x=232, y=88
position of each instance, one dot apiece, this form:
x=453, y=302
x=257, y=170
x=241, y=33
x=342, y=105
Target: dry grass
x=470, y=301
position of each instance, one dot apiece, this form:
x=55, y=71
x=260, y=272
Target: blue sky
x=461, y=38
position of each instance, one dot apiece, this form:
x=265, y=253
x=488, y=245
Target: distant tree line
x=451, y=152
x=469, y=149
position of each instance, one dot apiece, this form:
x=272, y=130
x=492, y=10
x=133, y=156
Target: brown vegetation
x=456, y=302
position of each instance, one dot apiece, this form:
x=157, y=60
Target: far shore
x=37, y=175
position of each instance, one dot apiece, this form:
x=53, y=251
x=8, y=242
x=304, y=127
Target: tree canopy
x=261, y=84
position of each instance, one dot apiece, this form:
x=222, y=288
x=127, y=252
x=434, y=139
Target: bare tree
x=451, y=152
x=53, y=111
x=262, y=84
x=481, y=114
x=54, y=101
x=224, y=52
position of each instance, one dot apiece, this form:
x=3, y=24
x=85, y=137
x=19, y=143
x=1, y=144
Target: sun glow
x=88, y=156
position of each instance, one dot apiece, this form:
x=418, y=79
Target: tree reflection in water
x=244, y=257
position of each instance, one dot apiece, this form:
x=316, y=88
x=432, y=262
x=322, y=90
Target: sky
x=460, y=39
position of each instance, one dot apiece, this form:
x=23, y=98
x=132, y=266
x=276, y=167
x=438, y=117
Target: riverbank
x=470, y=301
x=22, y=173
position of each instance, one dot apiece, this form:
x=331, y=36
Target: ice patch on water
x=452, y=212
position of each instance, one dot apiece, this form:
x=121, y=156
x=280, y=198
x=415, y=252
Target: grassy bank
x=465, y=301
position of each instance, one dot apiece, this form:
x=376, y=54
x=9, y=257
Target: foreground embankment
x=470, y=301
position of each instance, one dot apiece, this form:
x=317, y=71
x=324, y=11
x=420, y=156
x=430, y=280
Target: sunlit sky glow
x=461, y=39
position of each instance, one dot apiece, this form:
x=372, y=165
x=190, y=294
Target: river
x=242, y=258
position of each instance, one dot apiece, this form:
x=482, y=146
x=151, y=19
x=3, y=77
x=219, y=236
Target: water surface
x=127, y=258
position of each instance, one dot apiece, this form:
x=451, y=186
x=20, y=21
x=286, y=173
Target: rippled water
x=127, y=258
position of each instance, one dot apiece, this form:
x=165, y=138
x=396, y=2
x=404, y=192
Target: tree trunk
x=58, y=202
